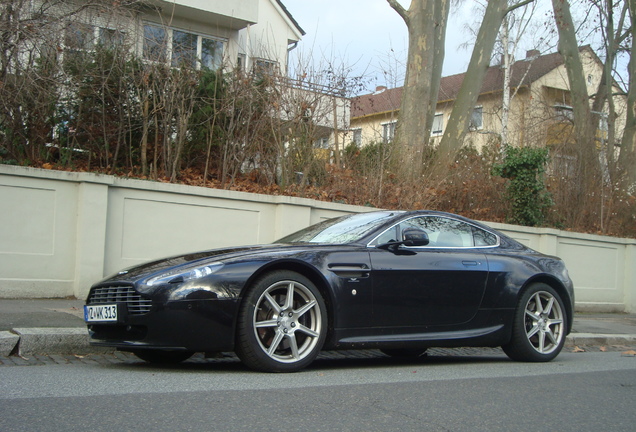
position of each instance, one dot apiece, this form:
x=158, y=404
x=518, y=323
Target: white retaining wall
x=60, y=232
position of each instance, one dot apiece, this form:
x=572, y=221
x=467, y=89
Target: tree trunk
x=426, y=22
x=144, y=137
x=505, y=102
x=627, y=158
x=463, y=107
x=584, y=128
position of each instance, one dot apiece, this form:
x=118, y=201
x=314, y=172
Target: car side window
x=442, y=232
x=390, y=235
x=484, y=238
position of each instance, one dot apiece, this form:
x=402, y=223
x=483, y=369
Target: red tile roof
x=523, y=72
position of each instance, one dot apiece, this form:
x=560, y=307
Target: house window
x=110, y=38
x=241, y=61
x=438, y=125
x=564, y=113
x=265, y=67
x=79, y=37
x=388, y=131
x=184, y=49
x=322, y=143
x=181, y=48
x=476, y=119
x=357, y=136
x=155, y=47
x=211, y=53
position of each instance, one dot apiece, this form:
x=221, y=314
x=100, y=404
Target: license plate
x=100, y=313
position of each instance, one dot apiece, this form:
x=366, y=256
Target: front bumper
x=193, y=325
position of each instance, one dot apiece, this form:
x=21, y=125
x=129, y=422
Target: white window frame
x=471, y=125
x=95, y=36
x=168, y=50
x=388, y=131
x=322, y=143
x=564, y=112
x=356, y=137
x=241, y=61
x=440, y=130
x=264, y=66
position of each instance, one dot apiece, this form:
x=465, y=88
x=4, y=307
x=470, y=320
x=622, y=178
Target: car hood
x=141, y=271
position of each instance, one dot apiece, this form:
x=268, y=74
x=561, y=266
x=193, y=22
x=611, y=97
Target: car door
x=439, y=284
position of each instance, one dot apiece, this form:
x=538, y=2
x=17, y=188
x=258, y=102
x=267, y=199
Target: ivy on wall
x=525, y=190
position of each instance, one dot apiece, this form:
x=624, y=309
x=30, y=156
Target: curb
x=599, y=339
x=37, y=340
x=8, y=342
x=69, y=340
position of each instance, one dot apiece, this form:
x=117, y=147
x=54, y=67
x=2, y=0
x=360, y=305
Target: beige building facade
x=540, y=109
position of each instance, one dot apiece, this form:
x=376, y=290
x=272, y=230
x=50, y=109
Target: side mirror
x=414, y=237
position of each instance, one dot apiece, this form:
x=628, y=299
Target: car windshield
x=345, y=229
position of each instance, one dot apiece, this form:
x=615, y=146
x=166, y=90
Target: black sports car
x=396, y=281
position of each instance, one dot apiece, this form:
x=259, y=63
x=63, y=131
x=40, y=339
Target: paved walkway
x=30, y=327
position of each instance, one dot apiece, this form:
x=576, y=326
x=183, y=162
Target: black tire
x=282, y=323
x=539, y=326
x=404, y=352
x=163, y=357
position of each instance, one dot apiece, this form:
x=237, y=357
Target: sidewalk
x=56, y=326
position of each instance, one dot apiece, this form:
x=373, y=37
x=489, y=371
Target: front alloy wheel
x=282, y=325
x=539, y=328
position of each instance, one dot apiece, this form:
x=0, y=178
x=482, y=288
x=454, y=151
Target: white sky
x=369, y=36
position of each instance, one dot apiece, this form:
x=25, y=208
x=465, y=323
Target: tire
x=404, y=352
x=155, y=356
x=282, y=323
x=539, y=326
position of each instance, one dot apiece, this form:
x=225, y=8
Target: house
x=248, y=37
x=213, y=33
x=251, y=35
x=540, y=111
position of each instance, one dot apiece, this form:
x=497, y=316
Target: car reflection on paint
x=397, y=281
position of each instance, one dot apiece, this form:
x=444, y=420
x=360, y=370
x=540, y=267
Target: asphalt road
x=592, y=391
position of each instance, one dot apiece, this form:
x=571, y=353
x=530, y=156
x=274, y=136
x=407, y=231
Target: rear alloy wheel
x=163, y=357
x=282, y=323
x=539, y=327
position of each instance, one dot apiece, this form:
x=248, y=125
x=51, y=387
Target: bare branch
x=518, y=5
x=400, y=10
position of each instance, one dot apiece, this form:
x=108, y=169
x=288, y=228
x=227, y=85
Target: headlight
x=181, y=275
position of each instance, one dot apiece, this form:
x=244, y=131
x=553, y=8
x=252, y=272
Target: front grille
x=137, y=305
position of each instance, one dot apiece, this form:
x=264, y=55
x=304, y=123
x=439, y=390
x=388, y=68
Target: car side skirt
x=489, y=328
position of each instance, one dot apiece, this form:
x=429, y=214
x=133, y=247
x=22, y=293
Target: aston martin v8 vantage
x=400, y=282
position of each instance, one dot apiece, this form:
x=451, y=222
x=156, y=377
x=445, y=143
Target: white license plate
x=100, y=313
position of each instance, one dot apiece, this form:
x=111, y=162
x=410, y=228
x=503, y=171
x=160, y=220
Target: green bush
x=525, y=191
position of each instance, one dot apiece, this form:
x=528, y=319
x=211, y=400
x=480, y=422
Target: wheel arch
x=558, y=286
x=304, y=269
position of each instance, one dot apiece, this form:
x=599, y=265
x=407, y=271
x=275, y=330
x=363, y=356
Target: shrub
x=525, y=191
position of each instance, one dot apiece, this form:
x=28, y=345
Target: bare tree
x=426, y=22
x=464, y=104
x=627, y=158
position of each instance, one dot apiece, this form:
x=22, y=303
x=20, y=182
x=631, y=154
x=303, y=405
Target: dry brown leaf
x=578, y=349
x=603, y=349
x=630, y=353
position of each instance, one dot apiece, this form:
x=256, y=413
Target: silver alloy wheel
x=544, y=323
x=287, y=321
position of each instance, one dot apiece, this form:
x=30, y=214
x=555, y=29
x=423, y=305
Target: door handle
x=470, y=263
